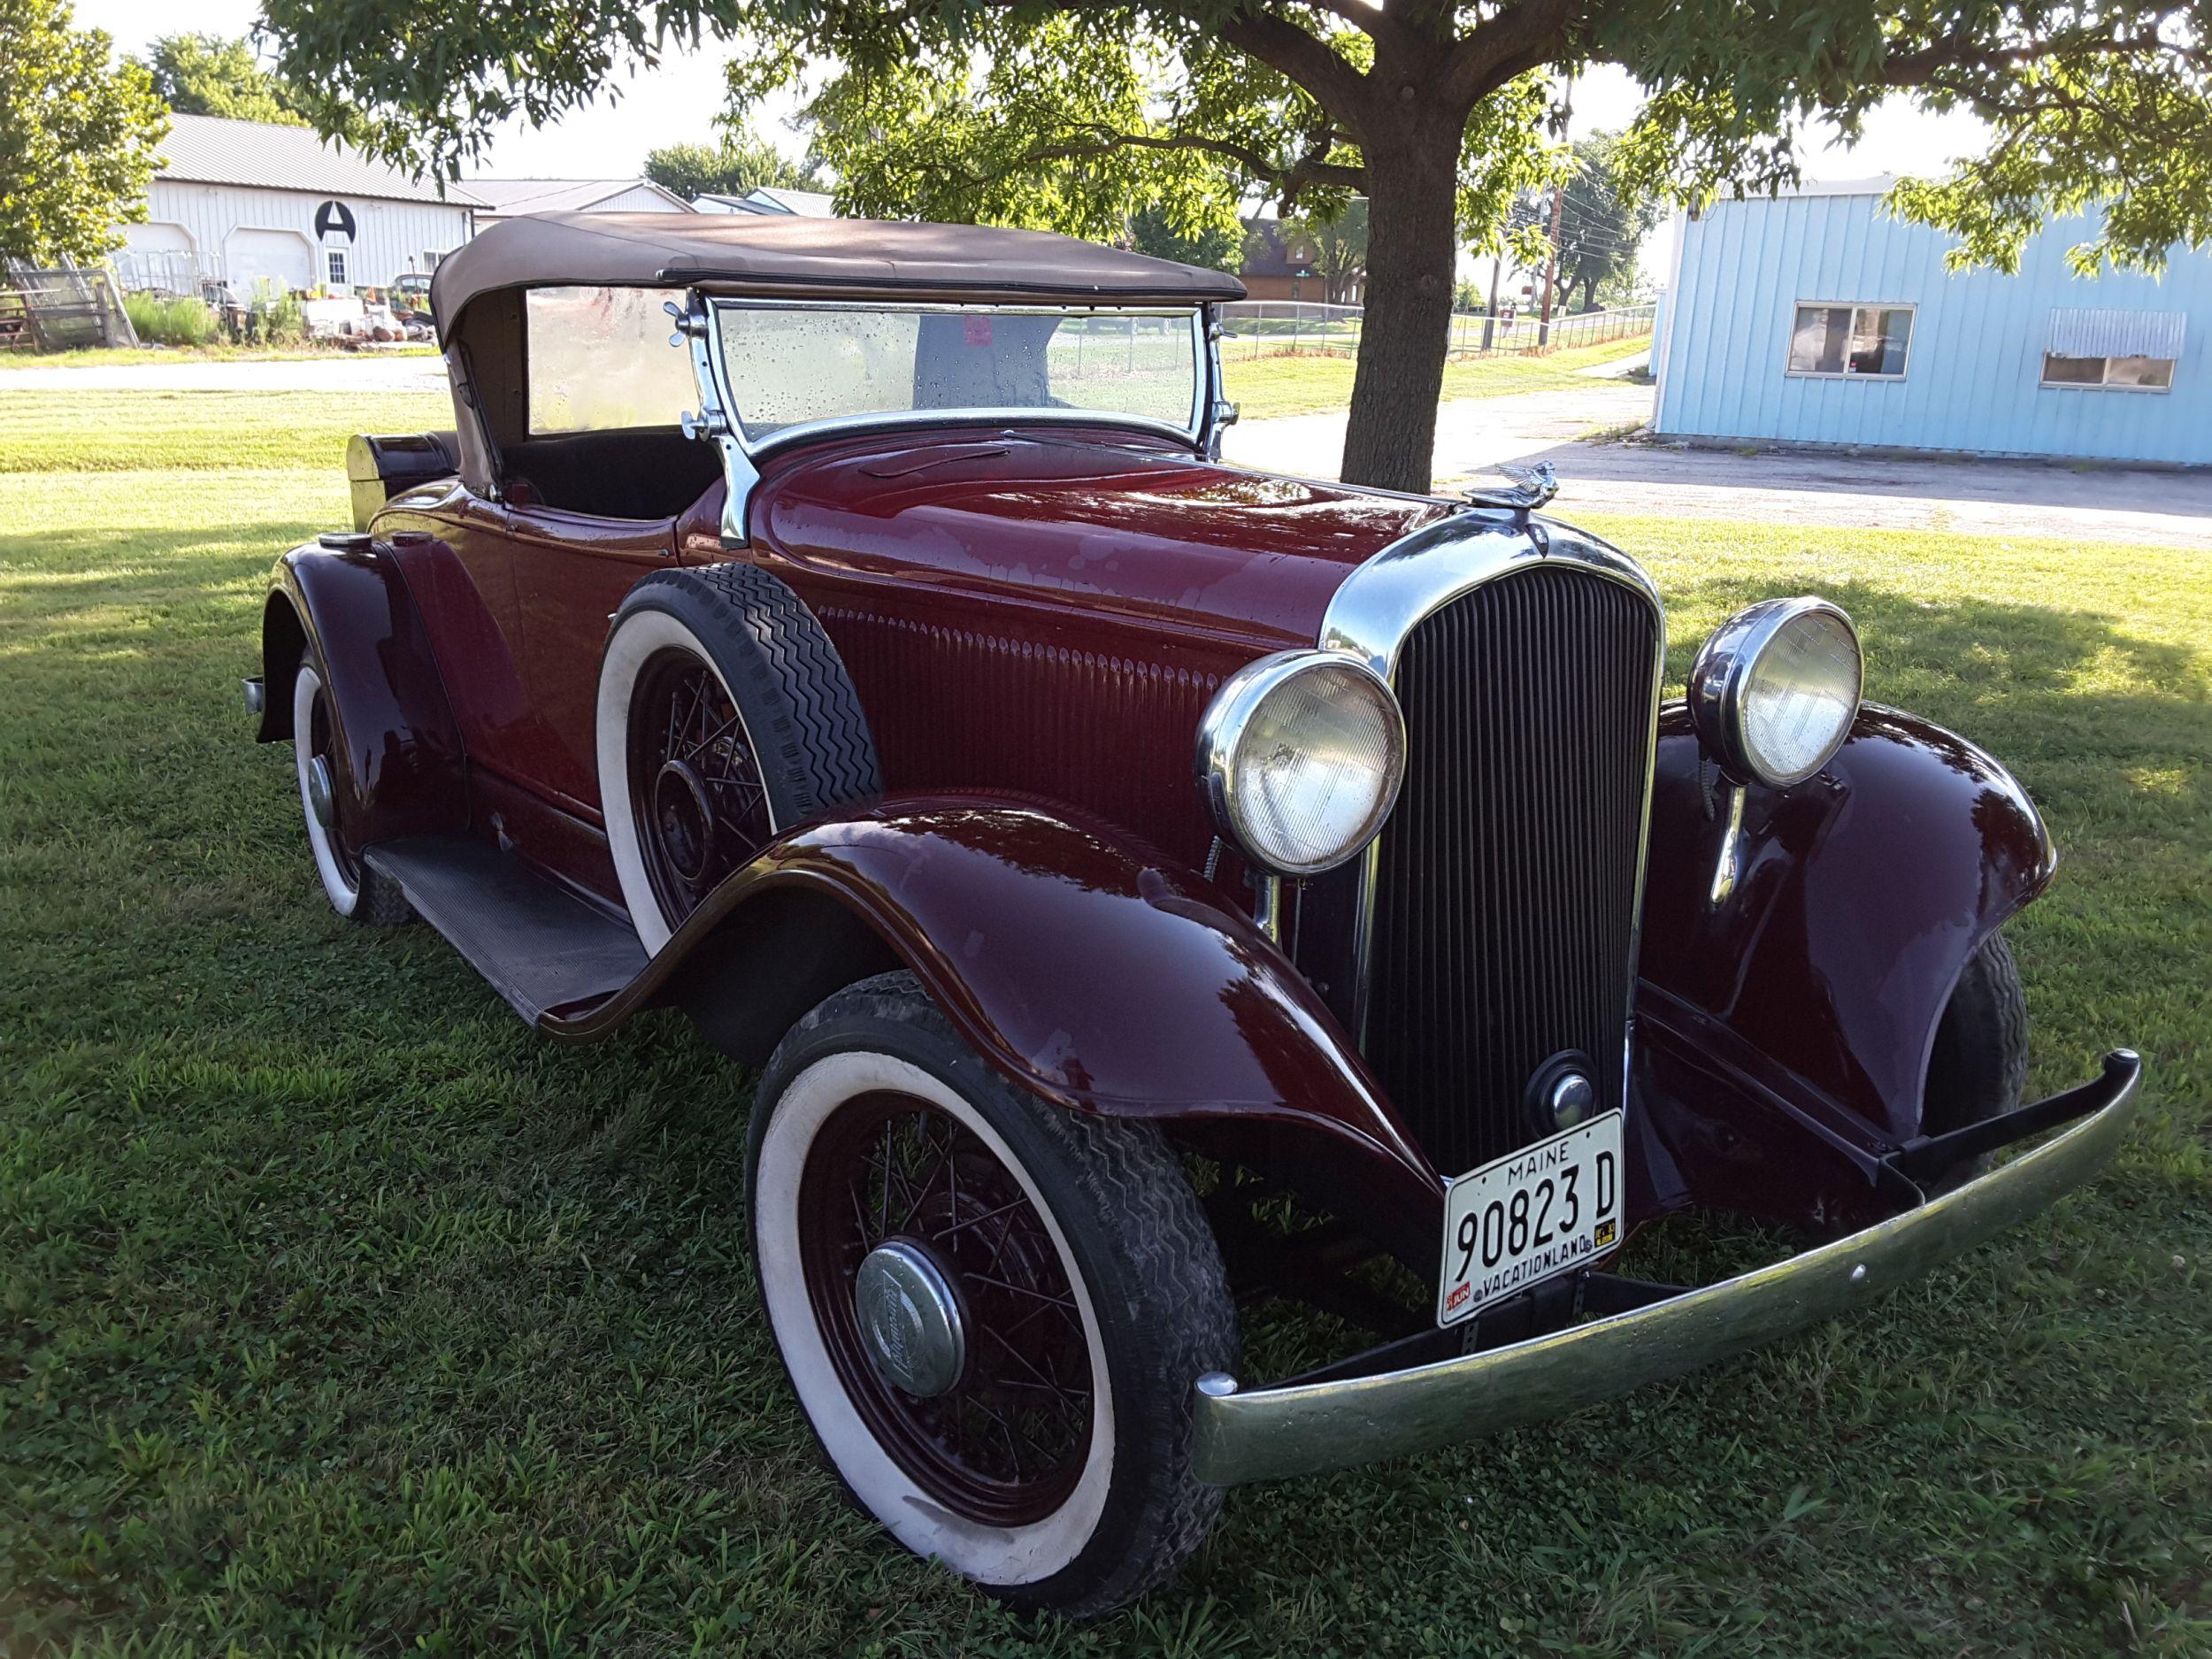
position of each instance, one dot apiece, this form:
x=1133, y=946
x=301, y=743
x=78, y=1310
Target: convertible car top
x=823, y=258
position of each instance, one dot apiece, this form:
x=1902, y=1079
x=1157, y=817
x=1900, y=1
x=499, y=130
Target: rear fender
x=408, y=773
x=1086, y=969
x=1812, y=951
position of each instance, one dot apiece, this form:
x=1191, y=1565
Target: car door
x=571, y=570
x=458, y=560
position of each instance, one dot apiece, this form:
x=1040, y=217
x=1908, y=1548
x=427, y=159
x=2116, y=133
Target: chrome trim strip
x=1379, y=605
x=1266, y=1433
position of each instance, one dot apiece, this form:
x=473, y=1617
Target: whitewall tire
x=1048, y=1458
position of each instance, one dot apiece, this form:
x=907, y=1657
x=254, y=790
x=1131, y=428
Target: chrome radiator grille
x=1506, y=882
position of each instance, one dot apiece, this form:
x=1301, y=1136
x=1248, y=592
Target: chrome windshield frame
x=727, y=392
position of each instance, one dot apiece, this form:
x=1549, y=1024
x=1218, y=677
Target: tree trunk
x=1412, y=241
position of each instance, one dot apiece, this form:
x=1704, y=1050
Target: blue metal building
x=1818, y=318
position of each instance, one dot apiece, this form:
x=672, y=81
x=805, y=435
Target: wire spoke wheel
x=1005, y=1440
x=695, y=781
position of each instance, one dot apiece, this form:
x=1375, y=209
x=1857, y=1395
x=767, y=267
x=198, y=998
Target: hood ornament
x=1524, y=488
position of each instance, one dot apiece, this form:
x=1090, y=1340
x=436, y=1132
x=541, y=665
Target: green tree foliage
x=1602, y=222
x=206, y=74
x=1033, y=112
x=743, y=161
x=1215, y=246
x=1339, y=242
x=80, y=136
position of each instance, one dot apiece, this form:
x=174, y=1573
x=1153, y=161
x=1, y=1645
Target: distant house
x=1816, y=318
x=1276, y=267
x=510, y=198
x=799, y=203
x=245, y=202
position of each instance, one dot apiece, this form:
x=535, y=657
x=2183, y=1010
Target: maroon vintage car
x=833, y=669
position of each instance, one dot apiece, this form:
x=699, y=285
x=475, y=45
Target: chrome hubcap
x=321, y=793
x=1572, y=1100
x=686, y=817
x=909, y=1318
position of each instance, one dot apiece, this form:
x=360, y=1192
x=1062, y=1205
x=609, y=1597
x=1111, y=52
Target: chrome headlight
x=1774, y=691
x=1300, y=755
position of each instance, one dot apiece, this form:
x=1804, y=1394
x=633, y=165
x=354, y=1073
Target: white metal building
x=509, y=198
x=244, y=203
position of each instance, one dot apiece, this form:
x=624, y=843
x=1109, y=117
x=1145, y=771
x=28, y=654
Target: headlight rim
x=1723, y=668
x=1230, y=711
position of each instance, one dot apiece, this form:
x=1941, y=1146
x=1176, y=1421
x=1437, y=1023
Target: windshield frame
x=1192, y=433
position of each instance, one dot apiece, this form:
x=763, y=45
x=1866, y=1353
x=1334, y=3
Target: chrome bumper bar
x=1298, y=1429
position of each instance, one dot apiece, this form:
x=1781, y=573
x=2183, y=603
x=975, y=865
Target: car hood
x=1106, y=525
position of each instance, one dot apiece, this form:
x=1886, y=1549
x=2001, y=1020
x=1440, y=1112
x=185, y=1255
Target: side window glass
x=600, y=361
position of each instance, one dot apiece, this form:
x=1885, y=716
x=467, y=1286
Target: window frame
x=2045, y=383
x=1194, y=314
x=337, y=267
x=1911, y=308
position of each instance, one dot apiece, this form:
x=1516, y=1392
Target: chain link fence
x=1266, y=328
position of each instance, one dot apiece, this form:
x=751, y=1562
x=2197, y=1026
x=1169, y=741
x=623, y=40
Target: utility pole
x=1490, y=316
x=1551, y=265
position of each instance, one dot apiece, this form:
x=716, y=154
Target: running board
x=549, y=954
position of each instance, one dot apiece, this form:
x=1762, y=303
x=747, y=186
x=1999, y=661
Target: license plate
x=1534, y=1213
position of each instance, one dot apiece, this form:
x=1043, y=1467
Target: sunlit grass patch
x=338, y=1312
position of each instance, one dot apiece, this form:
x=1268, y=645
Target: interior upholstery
x=636, y=472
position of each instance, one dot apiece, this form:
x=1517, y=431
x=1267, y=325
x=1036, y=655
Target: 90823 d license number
x=1534, y=1213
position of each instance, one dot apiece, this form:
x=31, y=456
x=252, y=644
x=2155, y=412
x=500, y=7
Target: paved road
x=1983, y=497
x=2100, y=504
x=2091, y=504
x=1471, y=433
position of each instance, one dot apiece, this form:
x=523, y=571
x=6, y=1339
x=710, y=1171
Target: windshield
x=785, y=367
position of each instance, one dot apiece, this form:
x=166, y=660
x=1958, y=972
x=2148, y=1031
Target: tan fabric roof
x=846, y=258
x=208, y=150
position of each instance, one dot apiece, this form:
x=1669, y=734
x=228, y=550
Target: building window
x=335, y=262
x=2134, y=374
x=2127, y=351
x=1851, y=341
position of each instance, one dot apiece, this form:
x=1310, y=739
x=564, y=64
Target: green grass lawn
x=1283, y=384
x=343, y=1315
x=215, y=351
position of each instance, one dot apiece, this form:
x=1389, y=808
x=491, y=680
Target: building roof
x=1267, y=253
x=776, y=253
x=768, y=199
x=208, y=150
x=1876, y=184
x=507, y=197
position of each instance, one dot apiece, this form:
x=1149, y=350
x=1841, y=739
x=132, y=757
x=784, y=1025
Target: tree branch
x=1305, y=60
x=1520, y=38
x=1926, y=67
x=1307, y=170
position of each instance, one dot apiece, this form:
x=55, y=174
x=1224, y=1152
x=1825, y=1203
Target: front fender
x=407, y=770
x=1814, y=950
x=1087, y=969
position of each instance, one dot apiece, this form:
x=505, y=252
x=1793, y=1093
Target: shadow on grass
x=343, y=1309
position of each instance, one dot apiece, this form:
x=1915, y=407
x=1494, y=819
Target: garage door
x=155, y=237
x=283, y=258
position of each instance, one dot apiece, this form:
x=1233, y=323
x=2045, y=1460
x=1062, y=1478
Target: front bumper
x=1298, y=1429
